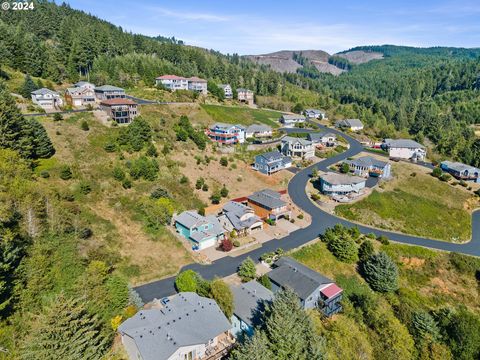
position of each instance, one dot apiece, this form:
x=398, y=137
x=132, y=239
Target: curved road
x=321, y=220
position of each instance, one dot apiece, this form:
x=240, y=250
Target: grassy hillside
x=242, y=115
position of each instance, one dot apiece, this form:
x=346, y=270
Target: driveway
x=321, y=220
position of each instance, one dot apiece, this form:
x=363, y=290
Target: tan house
x=82, y=94
x=122, y=110
x=268, y=204
x=245, y=96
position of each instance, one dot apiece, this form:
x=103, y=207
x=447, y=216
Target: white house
x=369, y=166
x=323, y=138
x=341, y=184
x=297, y=147
x=292, y=120
x=197, y=84
x=245, y=96
x=227, y=90
x=258, y=131
x=172, y=82
x=188, y=327
x=351, y=124
x=226, y=134
x=406, y=149
x=46, y=98
x=83, y=93
x=315, y=114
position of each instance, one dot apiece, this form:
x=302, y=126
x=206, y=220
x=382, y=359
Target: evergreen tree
x=42, y=145
x=27, y=87
x=381, y=272
x=64, y=330
x=222, y=294
x=247, y=270
x=365, y=250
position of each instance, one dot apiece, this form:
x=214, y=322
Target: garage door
x=77, y=102
x=207, y=243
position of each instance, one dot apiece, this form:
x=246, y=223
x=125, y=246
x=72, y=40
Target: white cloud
x=181, y=15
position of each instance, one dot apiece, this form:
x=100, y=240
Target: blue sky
x=256, y=27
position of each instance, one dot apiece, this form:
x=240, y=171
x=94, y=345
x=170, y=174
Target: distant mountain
x=291, y=61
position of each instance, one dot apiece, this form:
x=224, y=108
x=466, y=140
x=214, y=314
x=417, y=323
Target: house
x=245, y=96
x=227, y=90
x=82, y=94
x=201, y=231
x=350, y=124
x=297, y=147
x=239, y=217
x=249, y=301
x=406, y=149
x=313, y=289
x=189, y=326
x=258, y=131
x=46, y=98
x=268, y=204
x=369, y=166
x=323, y=138
x=107, y=92
x=197, y=84
x=121, y=110
x=292, y=120
x=461, y=171
x=172, y=82
x=315, y=114
x=226, y=134
x=271, y=162
x=341, y=184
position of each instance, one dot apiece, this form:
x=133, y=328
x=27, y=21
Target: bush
x=222, y=294
x=224, y=192
x=184, y=180
x=145, y=168
x=381, y=273
x=437, y=172
x=85, y=188
x=345, y=168
x=57, y=117
x=127, y=184
x=215, y=198
x=205, y=187
x=463, y=263
x=110, y=147
x=315, y=197
x=227, y=245
x=159, y=193
x=383, y=240
x=223, y=161
x=186, y=281
x=66, y=173
x=118, y=173
x=343, y=247
x=201, y=211
x=265, y=281
x=445, y=177
x=236, y=243
x=45, y=174
x=84, y=125
x=246, y=270
x=366, y=250
x=199, y=184
x=85, y=233
x=300, y=216
x=151, y=151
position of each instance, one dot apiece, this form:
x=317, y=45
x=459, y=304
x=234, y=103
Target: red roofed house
x=122, y=110
x=174, y=82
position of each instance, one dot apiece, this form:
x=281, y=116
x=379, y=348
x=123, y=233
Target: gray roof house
x=297, y=147
x=461, y=171
x=46, y=98
x=369, y=166
x=312, y=288
x=271, y=162
x=107, y=92
x=315, y=114
x=352, y=124
x=290, y=120
x=406, y=149
x=268, y=204
x=201, y=231
x=239, y=217
x=324, y=138
x=335, y=184
x=249, y=304
x=187, y=327
x=258, y=130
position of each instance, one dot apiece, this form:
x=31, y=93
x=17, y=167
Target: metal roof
x=367, y=161
x=460, y=167
x=270, y=199
x=44, y=91
x=341, y=179
x=188, y=319
x=258, y=128
x=234, y=211
x=249, y=301
x=108, y=88
x=301, y=279
x=403, y=143
x=350, y=123
x=293, y=117
x=315, y=136
x=302, y=141
x=190, y=219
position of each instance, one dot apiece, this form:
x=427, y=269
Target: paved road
x=321, y=220
x=59, y=112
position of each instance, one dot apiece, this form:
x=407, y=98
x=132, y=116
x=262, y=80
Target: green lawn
x=417, y=214
x=242, y=115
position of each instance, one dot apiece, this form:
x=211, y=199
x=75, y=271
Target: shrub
x=246, y=270
x=437, y=172
x=145, y=168
x=265, y=281
x=270, y=222
x=224, y=192
x=236, y=243
x=66, y=173
x=84, y=125
x=45, y=174
x=222, y=294
x=223, y=161
x=227, y=245
x=300, y=216
x=201, y=211
x=85, y=233
x=315, y=197
x=343, y=247
x=85, y=188
x=151, y=151
x=216, y=197
x=445, y=177
x=184, y=180
x=57, y=117
x=199, y=183
x=464, y=263
x=118, y=173
x=127, y=184
x=344, y=168
x=159, y=193
x=366, y=250
x=381, y=273
x=110, y=147
x=186, y=281
x=205, y=187
x=383, y=240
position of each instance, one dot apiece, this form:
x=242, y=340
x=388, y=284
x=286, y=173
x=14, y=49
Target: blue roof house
x=271, y=162
x=201, y=231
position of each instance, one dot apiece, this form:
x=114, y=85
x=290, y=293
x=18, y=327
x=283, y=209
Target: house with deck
x=350, y=124
x=249, y=301
x=240, y=218
x=315, y=114
x=46, y=98
x=188, y=327
x=290, y=120
x=82, y=94
x=271, y=162
x=326, y=139
x=201, y=231
x=227, y=91
x=226, y=134
x=312, y=288
x=258, y=131
x=461, y=171
x=245, y=96
x=268, y=204
x=297, y=147
x=335, y=184
x=107, y=92
x=369, y=166
x=405, y=149
x=197, y=84
x=120, y=110
x=172, y=82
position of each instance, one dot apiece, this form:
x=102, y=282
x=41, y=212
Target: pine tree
x=42, y=146
x=27, y=87
x=64, y=330
x=255, y=348
x=381, y=272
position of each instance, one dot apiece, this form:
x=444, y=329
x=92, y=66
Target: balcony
x=225, y=343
